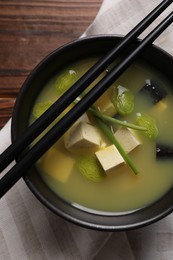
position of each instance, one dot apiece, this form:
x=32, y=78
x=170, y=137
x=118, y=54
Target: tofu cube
x=109, y=109
x=158, y=108
x=109, y=158
x=127, y=139
x=55, y=167
x=105, y=105
x=84, y=118
x=161, y=105
x=82, y=135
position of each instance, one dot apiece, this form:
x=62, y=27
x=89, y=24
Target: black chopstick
x=56, y=109
x=62, y=126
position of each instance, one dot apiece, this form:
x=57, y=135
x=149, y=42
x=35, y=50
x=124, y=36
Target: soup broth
x=121, y=190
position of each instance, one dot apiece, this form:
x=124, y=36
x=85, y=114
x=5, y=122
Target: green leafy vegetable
x=90, y=168
x=40, y=108
x=123, y=100
x=63, y=83
x=116, y=121
x=150, y=124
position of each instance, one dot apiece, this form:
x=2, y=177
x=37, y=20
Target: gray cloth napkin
x=30, y=231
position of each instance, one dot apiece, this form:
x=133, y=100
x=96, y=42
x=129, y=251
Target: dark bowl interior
x=30, y=90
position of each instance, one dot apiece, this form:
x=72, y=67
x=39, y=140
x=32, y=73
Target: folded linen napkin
x=30, y=231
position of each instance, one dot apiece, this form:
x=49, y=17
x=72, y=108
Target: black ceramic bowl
x=40, y=75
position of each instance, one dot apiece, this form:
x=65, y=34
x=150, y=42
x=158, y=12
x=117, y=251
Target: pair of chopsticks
x=15, y=173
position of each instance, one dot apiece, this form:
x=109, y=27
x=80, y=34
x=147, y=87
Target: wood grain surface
x=29, y=30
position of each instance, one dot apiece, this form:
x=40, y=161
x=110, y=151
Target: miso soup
x=85, y=169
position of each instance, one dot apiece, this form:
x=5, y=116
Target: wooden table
x=29, y=30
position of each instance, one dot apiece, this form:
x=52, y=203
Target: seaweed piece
x=153, y=90
x=164, y=151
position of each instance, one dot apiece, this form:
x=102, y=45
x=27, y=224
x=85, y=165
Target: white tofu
x=55, y=167
x=82, y=135
x=84, y=118
x=127, y=139
x=109, y=109
x=109, y=158
x=158, y=108
x=161, y=105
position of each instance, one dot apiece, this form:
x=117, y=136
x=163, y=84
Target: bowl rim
x=34, y=190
